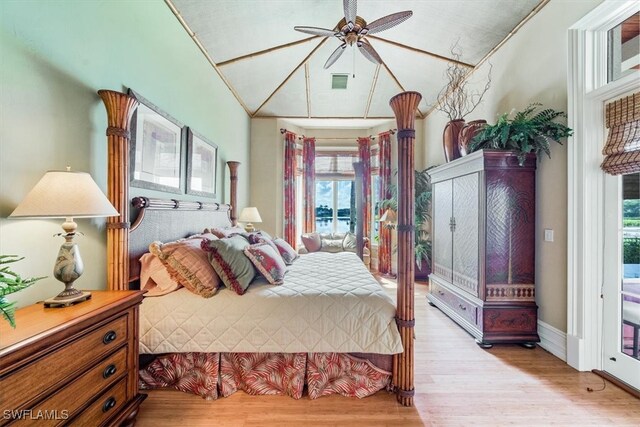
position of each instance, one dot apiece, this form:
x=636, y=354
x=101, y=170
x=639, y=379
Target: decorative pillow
x=222, y=232
x=229, y=261
x=331, y=245
x=311, y=242
x=268, y=262
x=287, y=253
x=349, y=242
x=256, y=237
x=188, y=265
x=154, y=277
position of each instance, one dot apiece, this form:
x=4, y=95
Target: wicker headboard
x=168, y=220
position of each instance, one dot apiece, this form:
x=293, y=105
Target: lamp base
x=249, y=228
x=58, y=301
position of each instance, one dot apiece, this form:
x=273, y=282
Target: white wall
x=54, y=58
x=532, y=67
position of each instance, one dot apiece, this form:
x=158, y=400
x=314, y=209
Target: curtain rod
x=391, y=131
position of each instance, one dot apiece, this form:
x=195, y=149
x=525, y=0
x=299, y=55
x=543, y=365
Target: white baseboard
x=553, y=340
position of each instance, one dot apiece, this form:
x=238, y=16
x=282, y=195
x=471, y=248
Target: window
x=335, y=206
x=623, y=48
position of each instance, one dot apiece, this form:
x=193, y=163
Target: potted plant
x=528, y=131
x=422, y=220
x=457, y=101
x=11, y=282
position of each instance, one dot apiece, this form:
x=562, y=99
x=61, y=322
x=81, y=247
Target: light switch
x=548, y=235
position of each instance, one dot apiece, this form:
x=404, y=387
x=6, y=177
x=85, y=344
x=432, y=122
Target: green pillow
x=229, y=261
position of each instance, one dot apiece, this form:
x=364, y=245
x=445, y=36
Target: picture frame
x=202, y=165
x=157, y=141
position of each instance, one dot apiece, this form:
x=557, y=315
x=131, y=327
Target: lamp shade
x=250, y=215
x=389, y=216
x=65, y=194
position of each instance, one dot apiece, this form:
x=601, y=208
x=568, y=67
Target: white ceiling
x=287, y=82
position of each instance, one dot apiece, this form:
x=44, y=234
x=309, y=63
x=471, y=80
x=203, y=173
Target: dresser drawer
x=465, y=309
x=75, y=395
x=26, y=383
x=107, y=405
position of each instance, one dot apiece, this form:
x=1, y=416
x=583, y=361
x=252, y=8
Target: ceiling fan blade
x=335, y=55
x=316, y=31
x=350, y=10
x=387, y=22
x=369, y=52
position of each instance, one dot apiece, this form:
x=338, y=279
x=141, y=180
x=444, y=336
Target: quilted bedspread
x=328, y=303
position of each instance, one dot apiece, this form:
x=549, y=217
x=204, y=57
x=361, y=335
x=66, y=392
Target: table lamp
x=389, y=218
x=249, y=216
x=66, y=194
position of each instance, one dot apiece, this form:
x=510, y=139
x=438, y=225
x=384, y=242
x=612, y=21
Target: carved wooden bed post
x=404, y=106
x=120, y=108
x=233, y=173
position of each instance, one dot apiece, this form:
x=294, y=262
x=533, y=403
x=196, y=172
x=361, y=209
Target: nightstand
x=75, y=365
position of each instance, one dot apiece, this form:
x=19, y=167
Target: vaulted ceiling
x=275, y=71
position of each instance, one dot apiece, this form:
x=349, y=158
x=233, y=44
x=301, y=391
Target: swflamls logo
x=29, y=414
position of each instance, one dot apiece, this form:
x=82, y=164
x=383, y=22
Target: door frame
x=588, y=90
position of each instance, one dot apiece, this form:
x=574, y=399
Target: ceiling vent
x=339, y=81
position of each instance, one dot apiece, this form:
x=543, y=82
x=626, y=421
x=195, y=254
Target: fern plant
x=11, y=282
x=529, y=131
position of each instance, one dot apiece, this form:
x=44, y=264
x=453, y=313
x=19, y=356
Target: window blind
x=622, y=148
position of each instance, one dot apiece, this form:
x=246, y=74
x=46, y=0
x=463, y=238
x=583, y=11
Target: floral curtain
x=309, y=174
x=384, y=242
x=290, y=167
x=364, y=154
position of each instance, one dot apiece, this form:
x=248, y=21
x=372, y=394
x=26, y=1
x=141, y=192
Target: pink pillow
x=189, y=265
x=267, y=261
x=287, y=253
x=311, y=242
x=154, y=277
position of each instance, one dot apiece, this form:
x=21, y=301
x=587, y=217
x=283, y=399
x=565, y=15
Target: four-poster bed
x=167, y=220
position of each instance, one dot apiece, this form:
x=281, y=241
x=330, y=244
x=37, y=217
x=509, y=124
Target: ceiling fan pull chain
x=354, y=63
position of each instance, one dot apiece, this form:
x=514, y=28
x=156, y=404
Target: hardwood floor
x=457, y=384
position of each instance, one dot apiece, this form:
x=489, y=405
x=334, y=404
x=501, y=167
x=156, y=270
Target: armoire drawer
x=466, y=309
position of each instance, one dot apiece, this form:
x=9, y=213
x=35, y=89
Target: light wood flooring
x=457, y=384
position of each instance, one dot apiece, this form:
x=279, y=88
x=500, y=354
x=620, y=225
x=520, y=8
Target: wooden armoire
x=483, y=237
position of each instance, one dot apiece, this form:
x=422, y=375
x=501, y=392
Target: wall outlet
x=548, y=235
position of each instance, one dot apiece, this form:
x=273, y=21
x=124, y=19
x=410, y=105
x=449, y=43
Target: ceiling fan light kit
x=352, y=30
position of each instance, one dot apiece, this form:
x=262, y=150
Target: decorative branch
x=456, y=100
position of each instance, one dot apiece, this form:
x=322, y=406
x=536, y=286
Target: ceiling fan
x=353, y=29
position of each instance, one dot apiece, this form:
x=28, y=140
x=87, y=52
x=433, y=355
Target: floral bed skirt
x=211, y=374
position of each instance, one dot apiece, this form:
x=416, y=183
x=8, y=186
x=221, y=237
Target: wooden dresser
x=76, y=365
x=483, y=252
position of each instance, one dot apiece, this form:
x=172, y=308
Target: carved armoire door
x=442, y=220
x=466, y=206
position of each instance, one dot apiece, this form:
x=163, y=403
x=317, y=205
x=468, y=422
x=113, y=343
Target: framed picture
x=156, y=148
x=202, y=161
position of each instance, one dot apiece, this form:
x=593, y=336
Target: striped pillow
x=188, y=265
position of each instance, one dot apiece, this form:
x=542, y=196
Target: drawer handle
x=440, y=292
x=108, y=371
x=109, y=404
x=462, y=307
x=109, y=337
